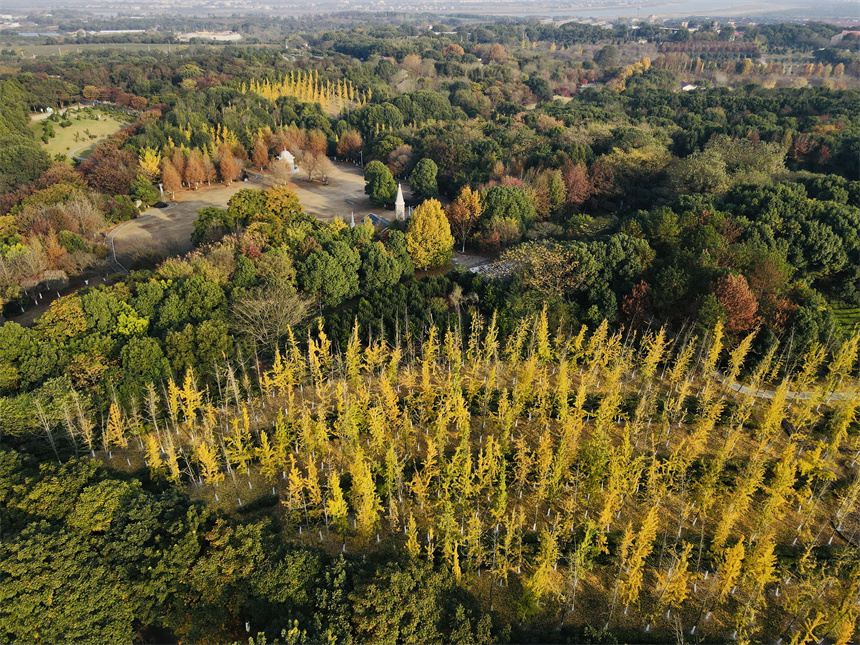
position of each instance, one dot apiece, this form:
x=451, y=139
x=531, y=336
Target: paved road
x=74, y=153
x=39, y=116
x=109, y=242
x=801, y=396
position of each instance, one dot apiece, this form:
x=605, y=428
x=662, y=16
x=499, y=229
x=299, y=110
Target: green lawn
x=27, y=50
x=55, y=50
x=79, y=137
x=848, y=319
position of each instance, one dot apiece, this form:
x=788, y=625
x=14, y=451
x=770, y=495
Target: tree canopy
x=379, y=183
x=428, y=236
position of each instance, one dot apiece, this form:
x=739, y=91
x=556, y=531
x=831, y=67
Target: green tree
x=144, y=361
x=370, y=118
x=202, y=298
x=414, y=604
x=607, y=56
x=103, y=309
x=212, y=224
x=384, y=146
x=397, y=247
x=378, y=268
x=379, y=183
x=508, y=202
x=540, y=88
x=21, y=161
x=701, y=172
x=331, y=273
x=423, y=179
x=143, y=190
x=246, y=204
x=79, y=558
x=212, y=342
x=276, y=269
x=249, y=572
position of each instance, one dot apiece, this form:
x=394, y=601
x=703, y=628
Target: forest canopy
x=596, y=382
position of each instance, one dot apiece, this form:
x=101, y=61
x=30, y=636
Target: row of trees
x=588, y=478
x=307, y=87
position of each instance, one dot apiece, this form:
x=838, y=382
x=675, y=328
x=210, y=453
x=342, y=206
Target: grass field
x=79, y=137
x=60, y=50
x=848, y=319
x=30, y=51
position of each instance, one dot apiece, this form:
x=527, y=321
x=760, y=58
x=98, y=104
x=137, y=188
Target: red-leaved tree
x=734, y=294
x=578, y=184
x=637, y=306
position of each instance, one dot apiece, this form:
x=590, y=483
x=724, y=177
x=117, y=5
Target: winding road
x=800, y=396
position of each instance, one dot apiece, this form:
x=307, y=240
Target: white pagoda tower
x=288, y=157
x=400, y=205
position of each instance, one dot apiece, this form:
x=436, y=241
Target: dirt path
x=162, y=232
x=159, y=233
x=74, y=153
x=469, y=260
x=92, y=277
x=343, y=196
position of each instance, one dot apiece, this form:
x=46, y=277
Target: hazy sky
x=845, y=9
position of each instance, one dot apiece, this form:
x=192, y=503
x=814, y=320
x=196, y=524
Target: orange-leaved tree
x=464, y=213
x=734, y=294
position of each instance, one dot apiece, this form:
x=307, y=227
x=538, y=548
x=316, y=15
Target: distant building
x=224, y=36
x=838, y=37
x=689, y=88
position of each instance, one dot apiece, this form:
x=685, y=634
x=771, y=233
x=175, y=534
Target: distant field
x=67, y=143
x=848, y=319
x=54, y=50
